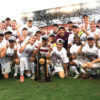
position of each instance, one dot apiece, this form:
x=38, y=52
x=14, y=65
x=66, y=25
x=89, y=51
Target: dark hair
x=8, y=18
x=85, y=15
x=99, y=21
x=69, y=22
x=24, y=29
x=55, y=25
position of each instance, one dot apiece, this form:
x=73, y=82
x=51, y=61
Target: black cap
x=61, y=27
x=8, y=32
x=12, y=38
x=1, y=33
x=60, y=41
x=45, y=37
x=51, y=35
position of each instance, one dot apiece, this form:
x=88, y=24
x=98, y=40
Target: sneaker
x=32, y=77
x=76, y=76
x=21, y=78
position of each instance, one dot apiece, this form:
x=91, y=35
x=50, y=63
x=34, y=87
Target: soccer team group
x=72, y=49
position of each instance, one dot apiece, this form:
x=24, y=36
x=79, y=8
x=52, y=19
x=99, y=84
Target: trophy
x=41, y=70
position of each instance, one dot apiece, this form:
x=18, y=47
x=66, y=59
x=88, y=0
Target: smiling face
x=1, y=38
x=59, y=46
x=12, y=44
x=76, y=30
x=86, y=19
x=29, y=23
x=61, y=32
x=77, y=40
x=90, y=42
x=92, y=26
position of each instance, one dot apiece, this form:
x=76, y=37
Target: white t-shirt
x=90, y=53
x=58, y=58
x=8, y=57
x=71, y=38
x=74, y=49
x=23, y=54
x=14, y=32
x=94, y=33
x=32, y=29
x=88, y=27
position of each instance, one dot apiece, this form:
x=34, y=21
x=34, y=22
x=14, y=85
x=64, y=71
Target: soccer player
x=59, y=59
x=89, y=52
x=54, y=30
x=76, y=59
x=7, y=56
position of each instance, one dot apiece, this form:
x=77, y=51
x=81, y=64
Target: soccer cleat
x=21, y=78
x=76, y=76
x=15, y=78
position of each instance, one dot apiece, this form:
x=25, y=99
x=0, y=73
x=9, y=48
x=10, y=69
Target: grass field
x=58, y=89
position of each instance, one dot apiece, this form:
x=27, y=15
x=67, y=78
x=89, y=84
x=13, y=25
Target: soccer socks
x=21, y=67
x=16, y=69
x=74, y=69
x=32, y=66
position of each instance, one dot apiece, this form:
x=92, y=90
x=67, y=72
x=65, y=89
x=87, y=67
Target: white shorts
x=58, y=69
x=6, y=68
x=24, y=62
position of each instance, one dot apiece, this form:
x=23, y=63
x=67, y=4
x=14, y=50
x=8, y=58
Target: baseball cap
x=45, y=37
x=30, y=19
x=12, y=38
x=38, y=31
x=8, y=32
x=90, y=37
x=60, y=41
x=75, y=25
x=61, y=27
x=51, y=35
x=1, y=33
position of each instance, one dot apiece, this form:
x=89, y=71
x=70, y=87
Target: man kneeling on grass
x=8, y=56
x=59, y=59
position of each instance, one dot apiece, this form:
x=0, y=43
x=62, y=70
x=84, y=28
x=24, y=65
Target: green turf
x=58, y=89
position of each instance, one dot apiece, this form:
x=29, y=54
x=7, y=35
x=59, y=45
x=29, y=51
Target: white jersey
x=37, y=42
x=14, y=32
x=27, y=51
x=5, y=41
x=58, y=58
x=94, y=33
x=9, y=56
x=31, y=30
x=88, y=26
x=90, y=53
x=71, y=38
x=74, y=49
